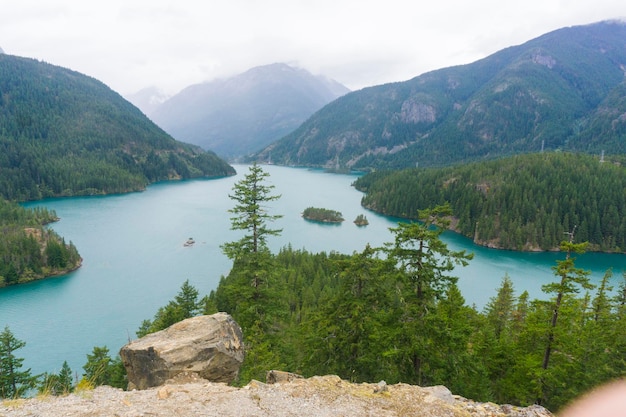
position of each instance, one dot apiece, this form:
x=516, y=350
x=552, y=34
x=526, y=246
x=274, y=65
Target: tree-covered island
x=361, y=220
x=322, y=215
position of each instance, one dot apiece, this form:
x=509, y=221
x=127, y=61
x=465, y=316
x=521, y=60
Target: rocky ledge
x=325, y=396
x=209, y=346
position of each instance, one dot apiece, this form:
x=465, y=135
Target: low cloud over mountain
x=242, y=114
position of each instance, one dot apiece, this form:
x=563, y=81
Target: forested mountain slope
x=63, y=133
x=563, y=90
x=242, y=114
x=525, y=202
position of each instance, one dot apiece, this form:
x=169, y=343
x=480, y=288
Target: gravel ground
x=326, y=396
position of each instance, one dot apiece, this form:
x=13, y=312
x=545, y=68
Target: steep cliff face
x=326, y=396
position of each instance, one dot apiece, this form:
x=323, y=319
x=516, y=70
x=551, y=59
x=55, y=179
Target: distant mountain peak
x=148, y=99
x=241, y=114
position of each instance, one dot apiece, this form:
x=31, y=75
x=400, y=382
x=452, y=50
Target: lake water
x=135, y=261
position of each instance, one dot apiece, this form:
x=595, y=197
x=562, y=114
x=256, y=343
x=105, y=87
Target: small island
x=361, y=220
x=322, y=215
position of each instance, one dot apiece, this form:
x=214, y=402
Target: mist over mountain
x=242, y=114
x=563, y=90
x=148, y=99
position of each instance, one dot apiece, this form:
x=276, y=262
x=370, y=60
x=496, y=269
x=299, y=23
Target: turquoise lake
x=135, y=261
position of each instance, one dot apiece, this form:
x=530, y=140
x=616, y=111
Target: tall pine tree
x=13, y=381
x=425, y=262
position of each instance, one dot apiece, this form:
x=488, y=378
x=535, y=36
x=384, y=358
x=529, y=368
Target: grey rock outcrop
x=209, y=346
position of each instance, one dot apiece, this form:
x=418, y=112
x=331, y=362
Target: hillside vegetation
x=360, y=317
x=28, y=250
x=526, y=202
x=395, y=313
x=63, y=134
x=563, y=90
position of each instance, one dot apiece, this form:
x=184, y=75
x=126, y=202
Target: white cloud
x=131, y=44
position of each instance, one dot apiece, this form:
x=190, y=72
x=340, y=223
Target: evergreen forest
x=64, y=134
x=360, y=317
x=28, y=250
x=393, y=313
x=524, y=202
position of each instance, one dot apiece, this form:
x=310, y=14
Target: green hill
x=563, y=90
x=63, y=133
x=525, y=202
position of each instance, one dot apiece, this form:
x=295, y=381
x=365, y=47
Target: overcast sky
x=133, y=44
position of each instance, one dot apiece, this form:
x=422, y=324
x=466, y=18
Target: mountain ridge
x=542, y=93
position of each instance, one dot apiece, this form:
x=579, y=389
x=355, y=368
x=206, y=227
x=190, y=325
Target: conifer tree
x=571, y=280
x=184, y=305
x=253, y=295
x=425, y=262
x=251, y=195
x=499, y=310
x=456, y=365
x=57, y=384
x=101, y=369
x=352, y=331
x=423, y=256
x=503, y=321
x=250, y=213
x=13, y=381
x=602, y=303
x=65, y=379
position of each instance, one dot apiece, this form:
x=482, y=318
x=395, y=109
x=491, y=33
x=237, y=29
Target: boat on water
x=189, y=242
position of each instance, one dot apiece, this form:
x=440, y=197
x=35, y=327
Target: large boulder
x=209, y=346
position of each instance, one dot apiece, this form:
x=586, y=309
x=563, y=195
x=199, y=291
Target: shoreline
x=53, y=274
